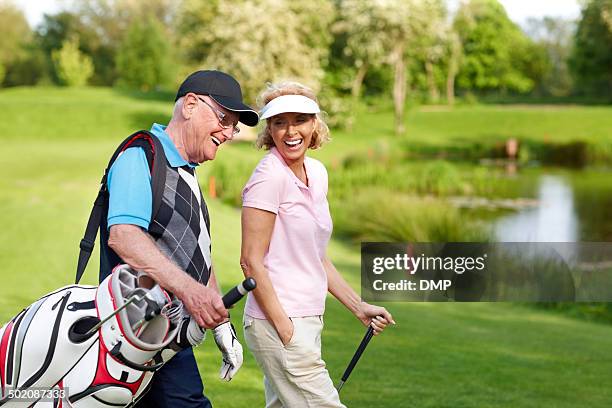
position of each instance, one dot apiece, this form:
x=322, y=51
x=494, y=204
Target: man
x=174, y=248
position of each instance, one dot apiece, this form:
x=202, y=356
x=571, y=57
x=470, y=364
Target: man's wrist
x=180, y=285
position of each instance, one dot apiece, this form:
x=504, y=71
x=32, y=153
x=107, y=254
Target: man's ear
x=189, y=104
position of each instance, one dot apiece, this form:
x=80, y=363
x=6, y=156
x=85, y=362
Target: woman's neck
x=298, y=168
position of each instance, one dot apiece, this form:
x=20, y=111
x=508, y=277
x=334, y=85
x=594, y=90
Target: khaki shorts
x=294, y=375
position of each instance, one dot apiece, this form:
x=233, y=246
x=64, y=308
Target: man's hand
x=203, y=304
x=138, y=250
x=227, y=341
x=376, y=316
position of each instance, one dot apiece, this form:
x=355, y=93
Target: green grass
x=438, y=355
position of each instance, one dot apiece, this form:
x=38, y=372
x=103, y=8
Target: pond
x=570, y=205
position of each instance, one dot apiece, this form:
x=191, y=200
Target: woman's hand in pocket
x=285, y=331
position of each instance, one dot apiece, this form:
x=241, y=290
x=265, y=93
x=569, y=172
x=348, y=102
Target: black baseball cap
x=223, y=88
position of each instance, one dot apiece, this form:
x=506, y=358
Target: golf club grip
x=238, y=292
x=364, y=342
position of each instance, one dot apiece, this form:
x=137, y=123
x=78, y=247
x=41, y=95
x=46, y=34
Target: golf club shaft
x=113, y=314
x=364, y=342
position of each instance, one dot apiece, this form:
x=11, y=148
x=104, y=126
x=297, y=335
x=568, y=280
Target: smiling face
x=292, y=134
x=205, y=131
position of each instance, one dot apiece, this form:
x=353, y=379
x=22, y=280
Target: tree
x=491, y=44
x=591, y=60
x=14, y=36
x=111, y=19
x=258, y=40
x=194, y=40
x=56, y=29
x=408, y=25
x=455, y=57
x=389, y=32
x=430, y=44
x=364, y=42
x=72, y=66
x=554, y=36
x=101, y=26
x=31, y=68
x=143, y=57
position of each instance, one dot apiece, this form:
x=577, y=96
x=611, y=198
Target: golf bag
x=91, y=346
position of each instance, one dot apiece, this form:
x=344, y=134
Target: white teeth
x=293, y=142
x=215, y=140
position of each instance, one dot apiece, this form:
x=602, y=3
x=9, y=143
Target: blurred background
x=474, y=120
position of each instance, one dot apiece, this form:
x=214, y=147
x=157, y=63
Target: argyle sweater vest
x=181, y=227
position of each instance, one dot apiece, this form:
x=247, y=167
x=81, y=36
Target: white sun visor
x=289, y=103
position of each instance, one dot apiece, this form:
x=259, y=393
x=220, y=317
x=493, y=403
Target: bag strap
x=156, y=158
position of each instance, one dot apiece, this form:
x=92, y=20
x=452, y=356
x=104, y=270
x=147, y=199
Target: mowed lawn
x=55, y=144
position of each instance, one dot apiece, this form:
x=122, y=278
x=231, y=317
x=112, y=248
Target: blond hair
x=320, y=134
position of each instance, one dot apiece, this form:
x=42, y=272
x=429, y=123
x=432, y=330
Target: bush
x=142, y=60
x=73, y=68
x=230, y=179
x=440, y=178
x=380, y=215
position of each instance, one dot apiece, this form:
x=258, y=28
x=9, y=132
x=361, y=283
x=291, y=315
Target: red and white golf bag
x=87, y=346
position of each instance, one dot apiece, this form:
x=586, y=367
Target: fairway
x=55, y=144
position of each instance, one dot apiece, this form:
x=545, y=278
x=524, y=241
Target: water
x=572, y=206
x=553, y=220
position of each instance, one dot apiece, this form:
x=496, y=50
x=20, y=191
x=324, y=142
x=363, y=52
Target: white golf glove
x=227, y=341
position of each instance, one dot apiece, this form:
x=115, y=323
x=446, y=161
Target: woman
x=286, y=226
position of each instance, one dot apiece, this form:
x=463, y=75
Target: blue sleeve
x=129, y=186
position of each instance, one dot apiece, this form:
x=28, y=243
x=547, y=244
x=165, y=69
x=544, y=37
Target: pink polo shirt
x=301, y=232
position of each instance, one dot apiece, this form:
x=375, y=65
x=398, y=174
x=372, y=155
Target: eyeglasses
x=224, y=120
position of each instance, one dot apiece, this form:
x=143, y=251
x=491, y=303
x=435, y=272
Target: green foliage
x=58, y=28
x=360, y=31
x=555, y=37
x=230, y=179
x=194, y=42
x=339, y=109
x=440, y=178
x=532, y=61
x=258, y=41
x=32, y=68
x=591, y=60
x=144, y=56
x=73, y=68
x=495, y=49
x=377, y=214
x=601, y=312
x=14, y=35
x=407, y=49
x=101, y=25
x=390, y=32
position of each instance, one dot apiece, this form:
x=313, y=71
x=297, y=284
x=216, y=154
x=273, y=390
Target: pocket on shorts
x=293, y=335
x=247, y=321
x=303, y=352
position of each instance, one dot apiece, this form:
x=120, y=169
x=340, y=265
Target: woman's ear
x=315, y=132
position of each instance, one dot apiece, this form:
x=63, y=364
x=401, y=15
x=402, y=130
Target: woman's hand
x=285, y=331
x=376, y=316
